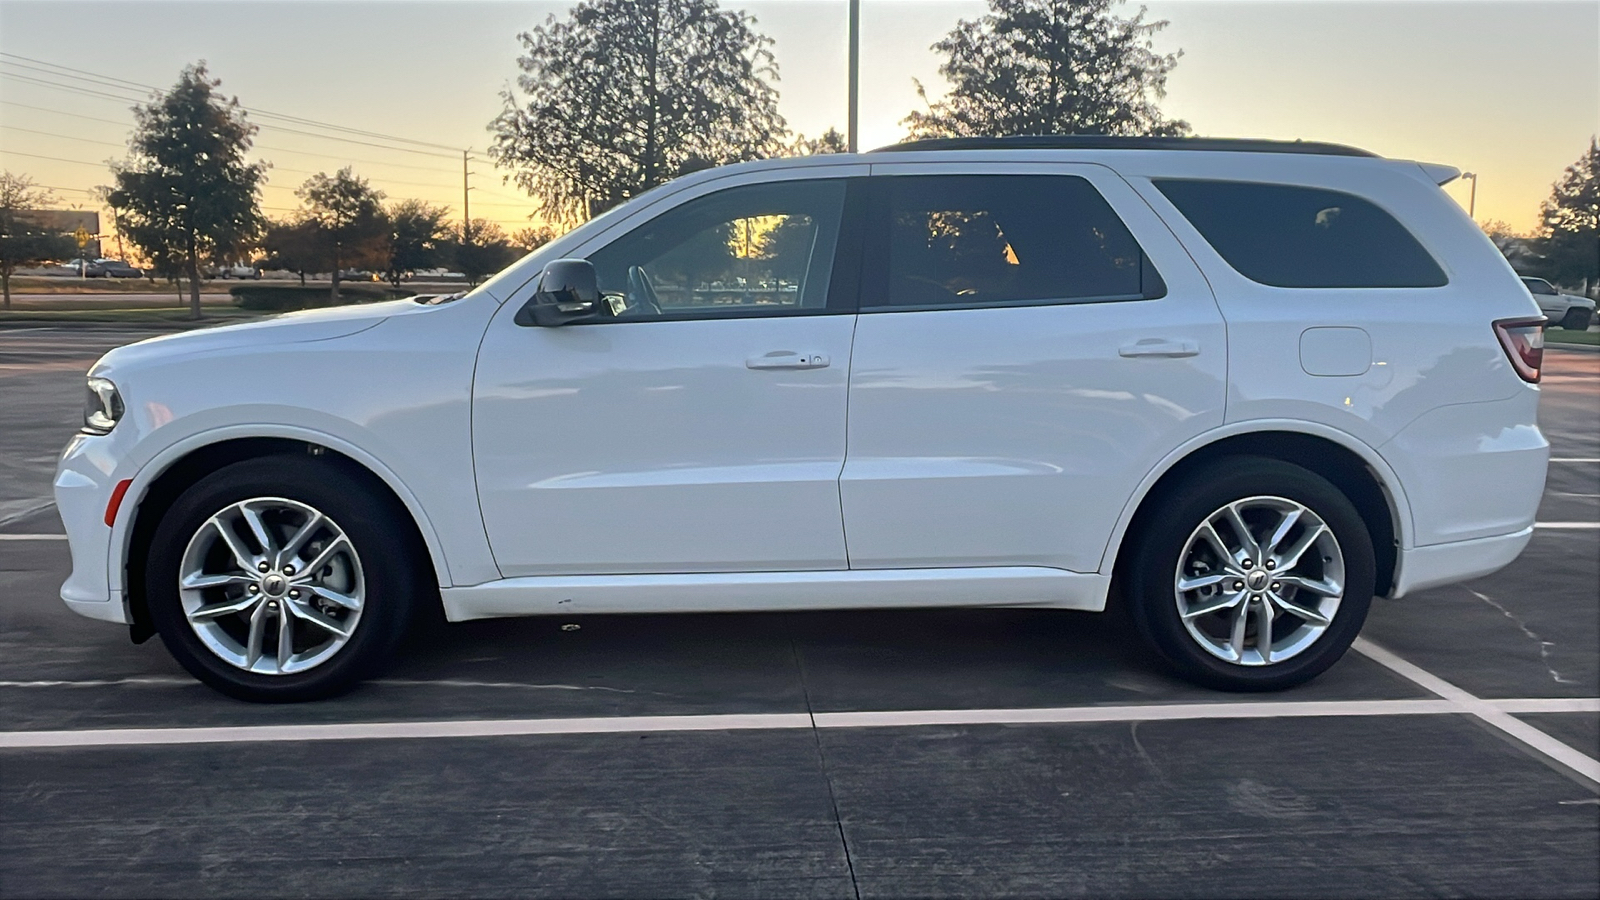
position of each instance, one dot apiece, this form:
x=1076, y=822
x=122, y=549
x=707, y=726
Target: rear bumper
x=1421, y=568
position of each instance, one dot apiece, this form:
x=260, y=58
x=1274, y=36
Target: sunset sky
x=1510, y=90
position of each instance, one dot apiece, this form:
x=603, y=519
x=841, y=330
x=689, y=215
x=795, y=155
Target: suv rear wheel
x=281, y=579
x=1254, y=574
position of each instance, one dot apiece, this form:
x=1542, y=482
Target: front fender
x=144, y=470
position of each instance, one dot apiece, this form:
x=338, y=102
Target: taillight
x=1523, y=340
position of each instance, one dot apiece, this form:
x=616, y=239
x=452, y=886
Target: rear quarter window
x=1302, y=237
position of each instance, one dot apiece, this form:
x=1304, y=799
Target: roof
x=1109, y=142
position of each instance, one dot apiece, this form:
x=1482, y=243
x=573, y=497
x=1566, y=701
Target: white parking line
x=1575, y=459
x=1576, y=760
x=1567, y=525
x=32, y=537
x=479, y=728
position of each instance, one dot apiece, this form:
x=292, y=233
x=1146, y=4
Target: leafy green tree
x=23, y=241
x=1050, y=67
x=417, y=233
x=1569, y=239
x=351, y=226
x=186, y=195
x=295, y=246
x=483, y=250
x=623, y=95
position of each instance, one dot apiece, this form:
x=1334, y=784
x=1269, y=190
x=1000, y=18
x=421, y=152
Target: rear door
x=1032, y=341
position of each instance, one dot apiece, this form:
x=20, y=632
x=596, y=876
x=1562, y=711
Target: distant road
x=36, y=300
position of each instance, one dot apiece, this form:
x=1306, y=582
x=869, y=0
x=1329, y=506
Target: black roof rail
x=1112, y=142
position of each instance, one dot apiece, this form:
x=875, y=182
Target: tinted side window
x=763, y=249
x=1301, y=237
x=959, y=241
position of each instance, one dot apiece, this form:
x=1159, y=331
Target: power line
x=59, y=112
x=76, y=162
x=75, y=89
x=57, y=135
x=299, y=120
x=255, y=146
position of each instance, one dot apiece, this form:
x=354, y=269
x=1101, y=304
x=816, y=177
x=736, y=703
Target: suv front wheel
x=1253, y=574
x=281, y=579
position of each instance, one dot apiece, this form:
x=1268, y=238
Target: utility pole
x=855, y=73
x=466, y=210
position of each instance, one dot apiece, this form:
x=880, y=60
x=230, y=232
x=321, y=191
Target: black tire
x=395, y=579
x=1576, y=319
x=1147, y=577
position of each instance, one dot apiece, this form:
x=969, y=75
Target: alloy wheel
x=272, y=586
x=1259, y=580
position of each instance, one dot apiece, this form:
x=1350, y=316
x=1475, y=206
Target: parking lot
x=861, y=754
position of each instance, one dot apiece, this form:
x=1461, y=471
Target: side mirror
x=568, y=292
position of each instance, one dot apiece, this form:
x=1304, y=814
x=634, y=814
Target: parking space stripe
x=1567, y=525
x=32, y=537
x=481, y=728
x=1576, y=459
x=1569, y=757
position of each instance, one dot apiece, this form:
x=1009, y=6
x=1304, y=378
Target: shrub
x=288, y=297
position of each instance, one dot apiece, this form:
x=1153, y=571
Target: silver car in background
x=1567, y=310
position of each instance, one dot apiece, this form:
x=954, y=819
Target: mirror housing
x=568, y=292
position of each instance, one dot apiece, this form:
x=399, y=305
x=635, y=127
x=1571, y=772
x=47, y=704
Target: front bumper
x=83, y=486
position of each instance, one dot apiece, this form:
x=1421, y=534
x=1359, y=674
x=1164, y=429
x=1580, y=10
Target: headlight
x=102, y=406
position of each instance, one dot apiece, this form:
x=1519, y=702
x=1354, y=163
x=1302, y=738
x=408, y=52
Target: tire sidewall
x=388, y=573
x=1154, y=562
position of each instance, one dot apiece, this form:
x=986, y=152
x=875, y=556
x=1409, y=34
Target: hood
x=289, y=328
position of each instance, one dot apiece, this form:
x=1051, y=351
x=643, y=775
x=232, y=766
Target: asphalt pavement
x=859, y=754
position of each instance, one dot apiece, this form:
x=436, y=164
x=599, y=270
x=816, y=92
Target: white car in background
x=1235, y=386
x=1567, y=310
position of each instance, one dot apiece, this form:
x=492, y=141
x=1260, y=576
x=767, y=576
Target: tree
x=1569, y=237
x=295, y=246
x=417, y=232
x=830, y=141
x=1515, y=247
x=483, y=250
x=351, y=227
x=623, y=95
x=527, y=240
x=23, y=242
x=1050, y=67
x=187, y=194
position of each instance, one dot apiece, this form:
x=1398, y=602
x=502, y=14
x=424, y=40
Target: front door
x=700, y=425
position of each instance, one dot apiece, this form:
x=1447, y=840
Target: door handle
x=787, y=359
x=1159, y=348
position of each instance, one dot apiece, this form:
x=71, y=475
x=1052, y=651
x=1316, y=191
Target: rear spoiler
x=1439, y=173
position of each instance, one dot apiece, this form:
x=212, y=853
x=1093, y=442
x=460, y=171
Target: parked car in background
x=237, y=270
x=116, y=268
x=1567, y=310
x=87, y=268
x=1236, y=387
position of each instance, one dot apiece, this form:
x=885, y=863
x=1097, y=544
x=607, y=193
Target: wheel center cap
x=1256, y=580
x=274, y=585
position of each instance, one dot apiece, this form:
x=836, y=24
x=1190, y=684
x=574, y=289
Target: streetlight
x=1472, y=200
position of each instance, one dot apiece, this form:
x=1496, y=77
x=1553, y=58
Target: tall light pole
x=855, y=73
x=1472, y=199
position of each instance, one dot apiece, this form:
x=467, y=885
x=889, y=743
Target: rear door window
x=1301, y=237
x=965, y=241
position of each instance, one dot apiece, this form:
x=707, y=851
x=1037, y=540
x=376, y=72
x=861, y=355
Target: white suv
x=1240, y=387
